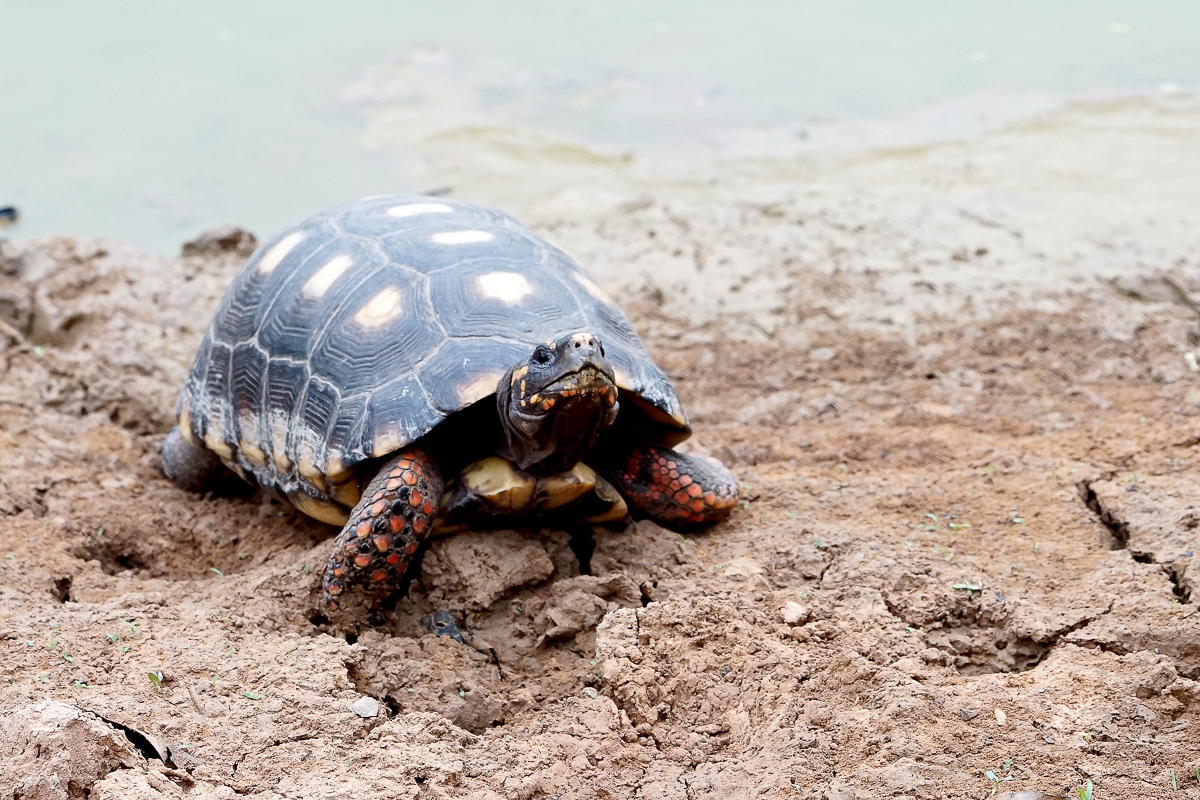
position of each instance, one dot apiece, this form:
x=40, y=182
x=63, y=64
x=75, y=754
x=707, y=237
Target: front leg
x=678, y=490
x=387, y=526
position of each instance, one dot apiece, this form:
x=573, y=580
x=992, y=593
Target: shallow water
x=149, y=122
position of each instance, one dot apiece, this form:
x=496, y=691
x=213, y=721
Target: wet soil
x=965, y=563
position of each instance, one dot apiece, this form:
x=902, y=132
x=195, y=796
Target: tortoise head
x=555, y=404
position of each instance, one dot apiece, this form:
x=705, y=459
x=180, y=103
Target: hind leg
x=196, y=469
x=678, y=490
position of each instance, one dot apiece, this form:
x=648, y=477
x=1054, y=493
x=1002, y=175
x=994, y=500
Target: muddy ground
x=964, y=567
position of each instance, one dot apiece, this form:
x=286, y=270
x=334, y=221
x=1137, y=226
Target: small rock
x=366, y=707
x=221, y=239
x=793, y=613
x=1001, y=717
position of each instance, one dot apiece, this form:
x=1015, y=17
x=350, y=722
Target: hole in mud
x=583, y=545
x=984, y=651
x=317, y=620
x=1118, y=529
x=351, y=638
x=112, y=555
x=127, y=562
x=1021, y=657
x=62, y=589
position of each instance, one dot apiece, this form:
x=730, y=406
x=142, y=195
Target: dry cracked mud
x=965, y=564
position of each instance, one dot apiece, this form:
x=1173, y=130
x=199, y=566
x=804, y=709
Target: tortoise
x=399, y=364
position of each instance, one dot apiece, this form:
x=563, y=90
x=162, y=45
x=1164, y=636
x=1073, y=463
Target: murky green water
x=151, y=121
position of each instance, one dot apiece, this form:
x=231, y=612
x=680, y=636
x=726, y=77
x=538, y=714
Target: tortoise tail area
x=678, y=490
x=191, y=467
x=385, y=529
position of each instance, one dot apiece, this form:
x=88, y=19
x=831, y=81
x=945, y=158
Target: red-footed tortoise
x=365, y=354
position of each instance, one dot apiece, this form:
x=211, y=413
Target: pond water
x=148, y=122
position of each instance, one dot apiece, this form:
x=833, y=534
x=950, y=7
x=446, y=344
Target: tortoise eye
x=542, y=355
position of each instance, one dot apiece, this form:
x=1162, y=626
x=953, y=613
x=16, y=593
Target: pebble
x=366, y=707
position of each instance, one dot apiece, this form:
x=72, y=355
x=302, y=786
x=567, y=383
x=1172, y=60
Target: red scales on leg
x=675, y=488
x=385, y=529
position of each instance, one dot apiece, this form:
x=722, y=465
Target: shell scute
x=466, y=370
x=449, y=245
x=396, y=413
x=361, y=357
x=247, y=299
x=297, y=313
x=485, y=296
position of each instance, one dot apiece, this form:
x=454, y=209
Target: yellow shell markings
x=311, y=472
x=507, y=287
x=478, y=387
x=380, y=309
x=462, y=237
x=556, y=491
x=387, y=440
x=412, y=209
x=348, y=493
x=623, y=379
x=279, y=425
x=185, y=422
x=336, y=470
x=322, y=510
x=278, y=252
x=343, y=482
x=497, y=481
x=216, y=443
x=252, y=452
x=617, y=508
x=323, y=278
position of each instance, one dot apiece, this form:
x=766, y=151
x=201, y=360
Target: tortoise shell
x=357, y=331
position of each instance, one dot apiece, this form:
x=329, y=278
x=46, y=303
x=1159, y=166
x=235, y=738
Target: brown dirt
x=968, y=547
